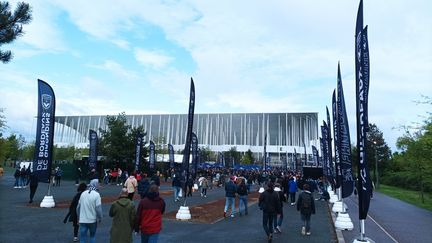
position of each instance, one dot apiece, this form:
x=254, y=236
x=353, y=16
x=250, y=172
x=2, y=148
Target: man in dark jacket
x=33, y=181
x=306, y=206
x=230, y=194
x=143, y=186
x=269, y=202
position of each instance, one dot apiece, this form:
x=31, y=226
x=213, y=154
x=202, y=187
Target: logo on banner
x=46, y=101
x=93, y=136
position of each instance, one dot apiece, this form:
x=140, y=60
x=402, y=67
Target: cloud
x=152, y=59
x=116, y=69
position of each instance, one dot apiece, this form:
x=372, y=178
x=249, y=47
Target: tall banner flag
x=338, y=174
x=315, y=155
x=323, y=153
x=93, y=151
x=194, y=153
x=265, y=153
x=345, y=160
x=186, y=152
x=329, y=141
x=362, y=88
x=44, y=132
x=171, y=155
x=138, y=145
x=326, y=153
x=305, y=155
x=152, y=156
x=295, y=160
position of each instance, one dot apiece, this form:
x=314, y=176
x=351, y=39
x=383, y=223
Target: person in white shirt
x=131, y=185
x=89, y=211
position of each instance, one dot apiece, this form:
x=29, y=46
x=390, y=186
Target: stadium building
x=286, y=132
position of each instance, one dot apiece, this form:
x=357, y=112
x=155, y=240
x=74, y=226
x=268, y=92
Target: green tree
x=206, y=154
x=117, y=142
x=63, y=153
x=232, y=156
x=378, y=152
x=28, y=152
x=247, y=158
x=11, y=25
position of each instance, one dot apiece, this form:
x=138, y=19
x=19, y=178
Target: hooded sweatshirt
x=89, y=209
x=123, y=213
x=149, y=213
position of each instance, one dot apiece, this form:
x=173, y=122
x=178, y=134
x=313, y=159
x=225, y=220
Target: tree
x=232, y=156
x=377, y=151
x=2, y=122
x=11, y=25
x=117, y=143
x=247, y=158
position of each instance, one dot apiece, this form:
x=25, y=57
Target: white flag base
x=333, y=198
x=365, y=240
x=47, y=202
x=338, y=207
x=183, y=214
x=343, y=222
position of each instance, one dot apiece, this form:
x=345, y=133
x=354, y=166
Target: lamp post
x=376, y=165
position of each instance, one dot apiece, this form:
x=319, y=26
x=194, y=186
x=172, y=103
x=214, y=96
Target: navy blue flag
x=327, y=161
x=295, y=160
x=221, y=159
x=323, y=152
x=315, y=155
x=93, y=150
x=138, y=145
x=344, y=142
x=194, y=153
x=265, y=153
x=329, y=141
x=44, y=132
x=305, y=155
x=362, y=89
x=171, y=155
x=152, y=156
x=191, y=110
x=336, y=140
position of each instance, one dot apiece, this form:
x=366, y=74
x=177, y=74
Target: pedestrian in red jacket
x=149, y=215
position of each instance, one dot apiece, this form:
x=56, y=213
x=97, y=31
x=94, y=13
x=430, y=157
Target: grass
x=409, y=196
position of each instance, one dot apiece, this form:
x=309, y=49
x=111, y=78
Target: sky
x=137, y=57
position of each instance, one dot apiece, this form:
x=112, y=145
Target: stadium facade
x=219, y=132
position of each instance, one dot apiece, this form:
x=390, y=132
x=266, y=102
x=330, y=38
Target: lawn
x=409, y=196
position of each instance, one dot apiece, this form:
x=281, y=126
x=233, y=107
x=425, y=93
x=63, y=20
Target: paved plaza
x=20, y=222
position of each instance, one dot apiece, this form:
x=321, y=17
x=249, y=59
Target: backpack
x=306, y=205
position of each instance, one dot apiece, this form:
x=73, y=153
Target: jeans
x=228, y=201
x=176, y=192
x=83, y=232
x=268, y=222
x=149, y=238
x=306, y=221
x=243, y=201
x=278, y=220
x=292, y=197
x=204, y=191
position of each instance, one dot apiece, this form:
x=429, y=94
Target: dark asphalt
x=391, y=220
x=21, y=223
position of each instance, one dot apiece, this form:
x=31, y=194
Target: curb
x=339, y=234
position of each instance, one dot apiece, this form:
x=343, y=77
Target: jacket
x=149, y=214
x=123, y=213
x=292, y=186
x=131, y=184
x=269, y=201
x=230, y=189
x=300, y=207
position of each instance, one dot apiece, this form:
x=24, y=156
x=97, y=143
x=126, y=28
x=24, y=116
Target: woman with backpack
x=306, y=206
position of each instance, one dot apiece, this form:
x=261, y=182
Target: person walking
x=279, y=216
x=33, y=181
x=190, y=184
x=123, y=213
x=176, y=184
x=58, y=175
x=89, y=211
x=72, y=214
x=131, y=185
x=306, y=206
x=143, y=186
x=230, y=193
x=204, y=186
x=269, y=203
x=149, y=215
x=242, y=191
x=292, y=184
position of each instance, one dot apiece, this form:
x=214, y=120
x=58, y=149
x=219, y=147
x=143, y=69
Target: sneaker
x=303, y=230
x=232, y=215
x=205, y=195
x=308, y=233
x=75, y=239
x=292, y=204
x=278, y=229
